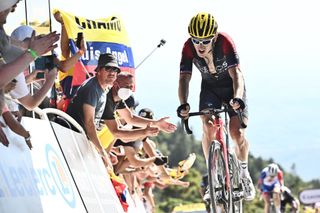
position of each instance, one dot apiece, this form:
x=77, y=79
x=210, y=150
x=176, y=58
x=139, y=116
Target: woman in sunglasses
x=214, y=54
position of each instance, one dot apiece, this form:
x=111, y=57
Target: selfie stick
x=162, y=42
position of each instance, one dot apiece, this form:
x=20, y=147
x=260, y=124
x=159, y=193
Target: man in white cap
x=7, y=4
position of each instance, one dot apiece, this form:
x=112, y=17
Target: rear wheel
x=236, y=184
x=220, y=196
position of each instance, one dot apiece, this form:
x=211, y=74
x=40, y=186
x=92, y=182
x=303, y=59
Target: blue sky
x=278, y=43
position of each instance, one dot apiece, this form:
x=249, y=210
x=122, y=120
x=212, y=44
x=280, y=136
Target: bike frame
x=224, y=142
x=223, y=139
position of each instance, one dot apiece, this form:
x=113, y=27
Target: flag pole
x=50, y=22
x=29, y=67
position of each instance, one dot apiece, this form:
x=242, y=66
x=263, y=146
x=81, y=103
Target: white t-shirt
x=21, y=89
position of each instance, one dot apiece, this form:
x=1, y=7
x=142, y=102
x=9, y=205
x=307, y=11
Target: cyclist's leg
x=238, y=136
x=242, y=150
x=276, y=196
x=209, y=131
x=266, y=199
x=208, y=99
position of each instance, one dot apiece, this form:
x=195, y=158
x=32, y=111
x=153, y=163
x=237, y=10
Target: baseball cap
x=22, y=32
x=107, y=60
x=146, y=113
x=6, y=4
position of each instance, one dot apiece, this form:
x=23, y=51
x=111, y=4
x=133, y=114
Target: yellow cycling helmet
x=203, y=25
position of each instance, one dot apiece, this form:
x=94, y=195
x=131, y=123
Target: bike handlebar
x=214, y=112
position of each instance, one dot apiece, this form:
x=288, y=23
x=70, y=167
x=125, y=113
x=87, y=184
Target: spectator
x=65, y=77
x=119, y=92
x=21, y=91
x=11, y=121
x=89, y=102
x=23, y=54
x=15, y=126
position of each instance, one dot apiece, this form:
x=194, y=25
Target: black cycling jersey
x=216, y=87
x=224, y=57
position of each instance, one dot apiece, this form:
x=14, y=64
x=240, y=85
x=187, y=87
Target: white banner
x=309, y=196
x=38, y=180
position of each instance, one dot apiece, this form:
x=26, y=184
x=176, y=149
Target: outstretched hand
x=151, y=131
x=165, y=125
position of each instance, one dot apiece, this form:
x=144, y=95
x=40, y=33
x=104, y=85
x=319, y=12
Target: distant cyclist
x=270, y=184
x=215, y=56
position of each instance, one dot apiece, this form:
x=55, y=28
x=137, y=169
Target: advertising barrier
x=37, y=180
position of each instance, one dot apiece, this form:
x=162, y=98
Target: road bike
x=226, y=189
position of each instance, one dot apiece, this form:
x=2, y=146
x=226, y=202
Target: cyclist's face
x=202, y=46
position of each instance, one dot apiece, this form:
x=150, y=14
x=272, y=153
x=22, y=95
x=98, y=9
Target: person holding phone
x=46, y=70
x=21, y=91
x=14, y=59
x=65, y=77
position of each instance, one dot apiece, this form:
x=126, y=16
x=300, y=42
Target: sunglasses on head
x=202, y=41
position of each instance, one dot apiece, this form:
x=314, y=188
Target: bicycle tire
x=220, y=197
x=272, y=207
x=236, y=184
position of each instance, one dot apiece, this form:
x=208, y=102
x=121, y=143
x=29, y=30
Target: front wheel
x=220, y=197
x=272, y=207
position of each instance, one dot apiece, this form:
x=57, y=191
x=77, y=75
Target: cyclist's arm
x=238, y=81
x=280, y=178
x=184, y=81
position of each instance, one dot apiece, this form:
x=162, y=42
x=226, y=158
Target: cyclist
x=271, y=183
x=214, y=54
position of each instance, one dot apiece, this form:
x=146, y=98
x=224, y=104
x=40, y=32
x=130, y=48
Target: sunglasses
x=112, y=69
x=203, y=41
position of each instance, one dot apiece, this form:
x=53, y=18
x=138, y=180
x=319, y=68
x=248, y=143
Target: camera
x=44, y=62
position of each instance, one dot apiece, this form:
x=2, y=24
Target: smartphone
x=44, y=62
x=79, y=38
x=40, y=75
